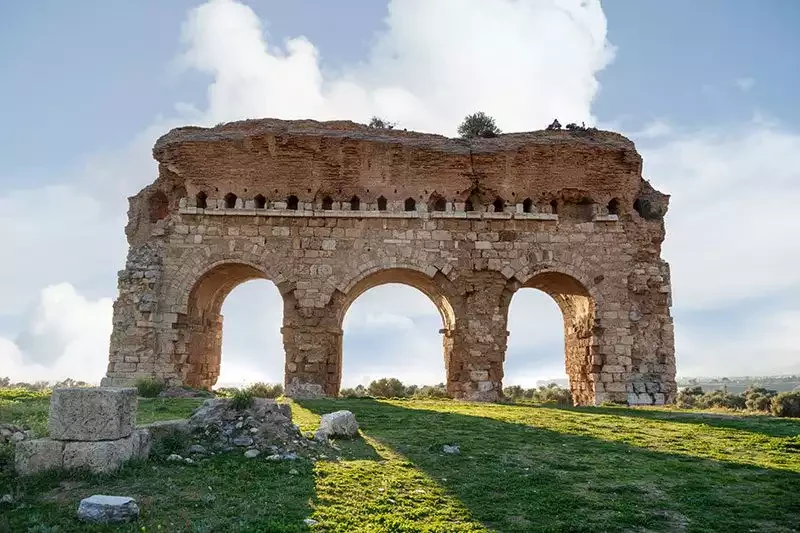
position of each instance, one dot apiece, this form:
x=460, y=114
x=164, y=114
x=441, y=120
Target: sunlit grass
x=521, y=468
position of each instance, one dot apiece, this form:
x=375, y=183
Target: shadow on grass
x=515, y=477
x=766, y=425
x=222, y=493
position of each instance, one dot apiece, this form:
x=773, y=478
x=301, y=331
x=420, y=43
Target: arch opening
x=260, y=202
x=203, y=324
x=381, y=203
x=499, y=205
x=410, y=204
x=327, y=203
x=390, y=321
x=355, y=203
x=527, y=205
x=292, y=202
x=533, y=328
x=201, y=200
x=230, y=200
x=437, y=203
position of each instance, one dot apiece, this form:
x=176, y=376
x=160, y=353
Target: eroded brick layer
x=327, y=210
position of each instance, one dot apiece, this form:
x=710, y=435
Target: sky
x=706, y=90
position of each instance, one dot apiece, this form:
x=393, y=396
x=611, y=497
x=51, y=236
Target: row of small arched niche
x=292, y=203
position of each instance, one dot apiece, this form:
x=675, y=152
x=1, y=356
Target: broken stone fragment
x=101, y=509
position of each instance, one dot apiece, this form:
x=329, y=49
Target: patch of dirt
x=64, y=493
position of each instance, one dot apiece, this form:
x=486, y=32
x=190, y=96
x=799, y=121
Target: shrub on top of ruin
x=786, y=404
x=241, y=399
x=478, y=125
x=387, y=388
x=381, y=124
x=149, y=387
x=265, y=390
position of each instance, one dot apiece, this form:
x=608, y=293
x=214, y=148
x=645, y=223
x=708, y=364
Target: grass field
x=521, y=468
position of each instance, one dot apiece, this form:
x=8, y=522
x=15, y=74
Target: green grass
x=521, y=468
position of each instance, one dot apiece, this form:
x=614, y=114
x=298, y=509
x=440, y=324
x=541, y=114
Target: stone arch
x=431, y=286
x=437, y=287
x=200, y=327
x=579, y=308
x=194, y=264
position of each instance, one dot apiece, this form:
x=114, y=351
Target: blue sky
x=705, y=89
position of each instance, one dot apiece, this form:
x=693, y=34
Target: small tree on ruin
x=478, y=125
x=381, y=124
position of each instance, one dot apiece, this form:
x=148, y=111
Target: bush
x=432, y=391
x=358, y=392
x=150, y=387
x=786, y=404
x=478, y=125
x=723, y=399
x=552, y=393
x=241, y=399
x=387, y=388
x=688, y=397
x=381, y=124
x=514, y=392
x=759, y=399
x=265, y=390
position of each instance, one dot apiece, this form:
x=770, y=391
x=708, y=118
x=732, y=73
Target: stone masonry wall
x=329, y=210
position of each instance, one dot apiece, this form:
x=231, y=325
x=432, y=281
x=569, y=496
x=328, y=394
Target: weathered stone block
x=337, y=424
x=92, y=413
x=38, y=455
x=99, y=457
x=101, y=509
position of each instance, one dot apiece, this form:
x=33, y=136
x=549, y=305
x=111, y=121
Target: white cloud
x=67, y=336
x=532, y=62
x=731, y=226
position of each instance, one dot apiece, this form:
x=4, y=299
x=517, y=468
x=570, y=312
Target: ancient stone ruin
x=327, y=210
x=89, y=429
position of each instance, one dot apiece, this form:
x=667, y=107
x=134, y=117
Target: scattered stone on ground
x=197, y=448
x=292, y=472
x=102, y=509
x=454, y=449
x=265, y=427
x=7, y=498
x=310, y=522
x=12, y=433
x=341, y=424
x=189, y=461
x=174, y=457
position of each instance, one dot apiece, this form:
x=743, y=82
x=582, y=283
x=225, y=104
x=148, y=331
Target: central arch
x=578, y=308
x=202, y=323
x=434, y=288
